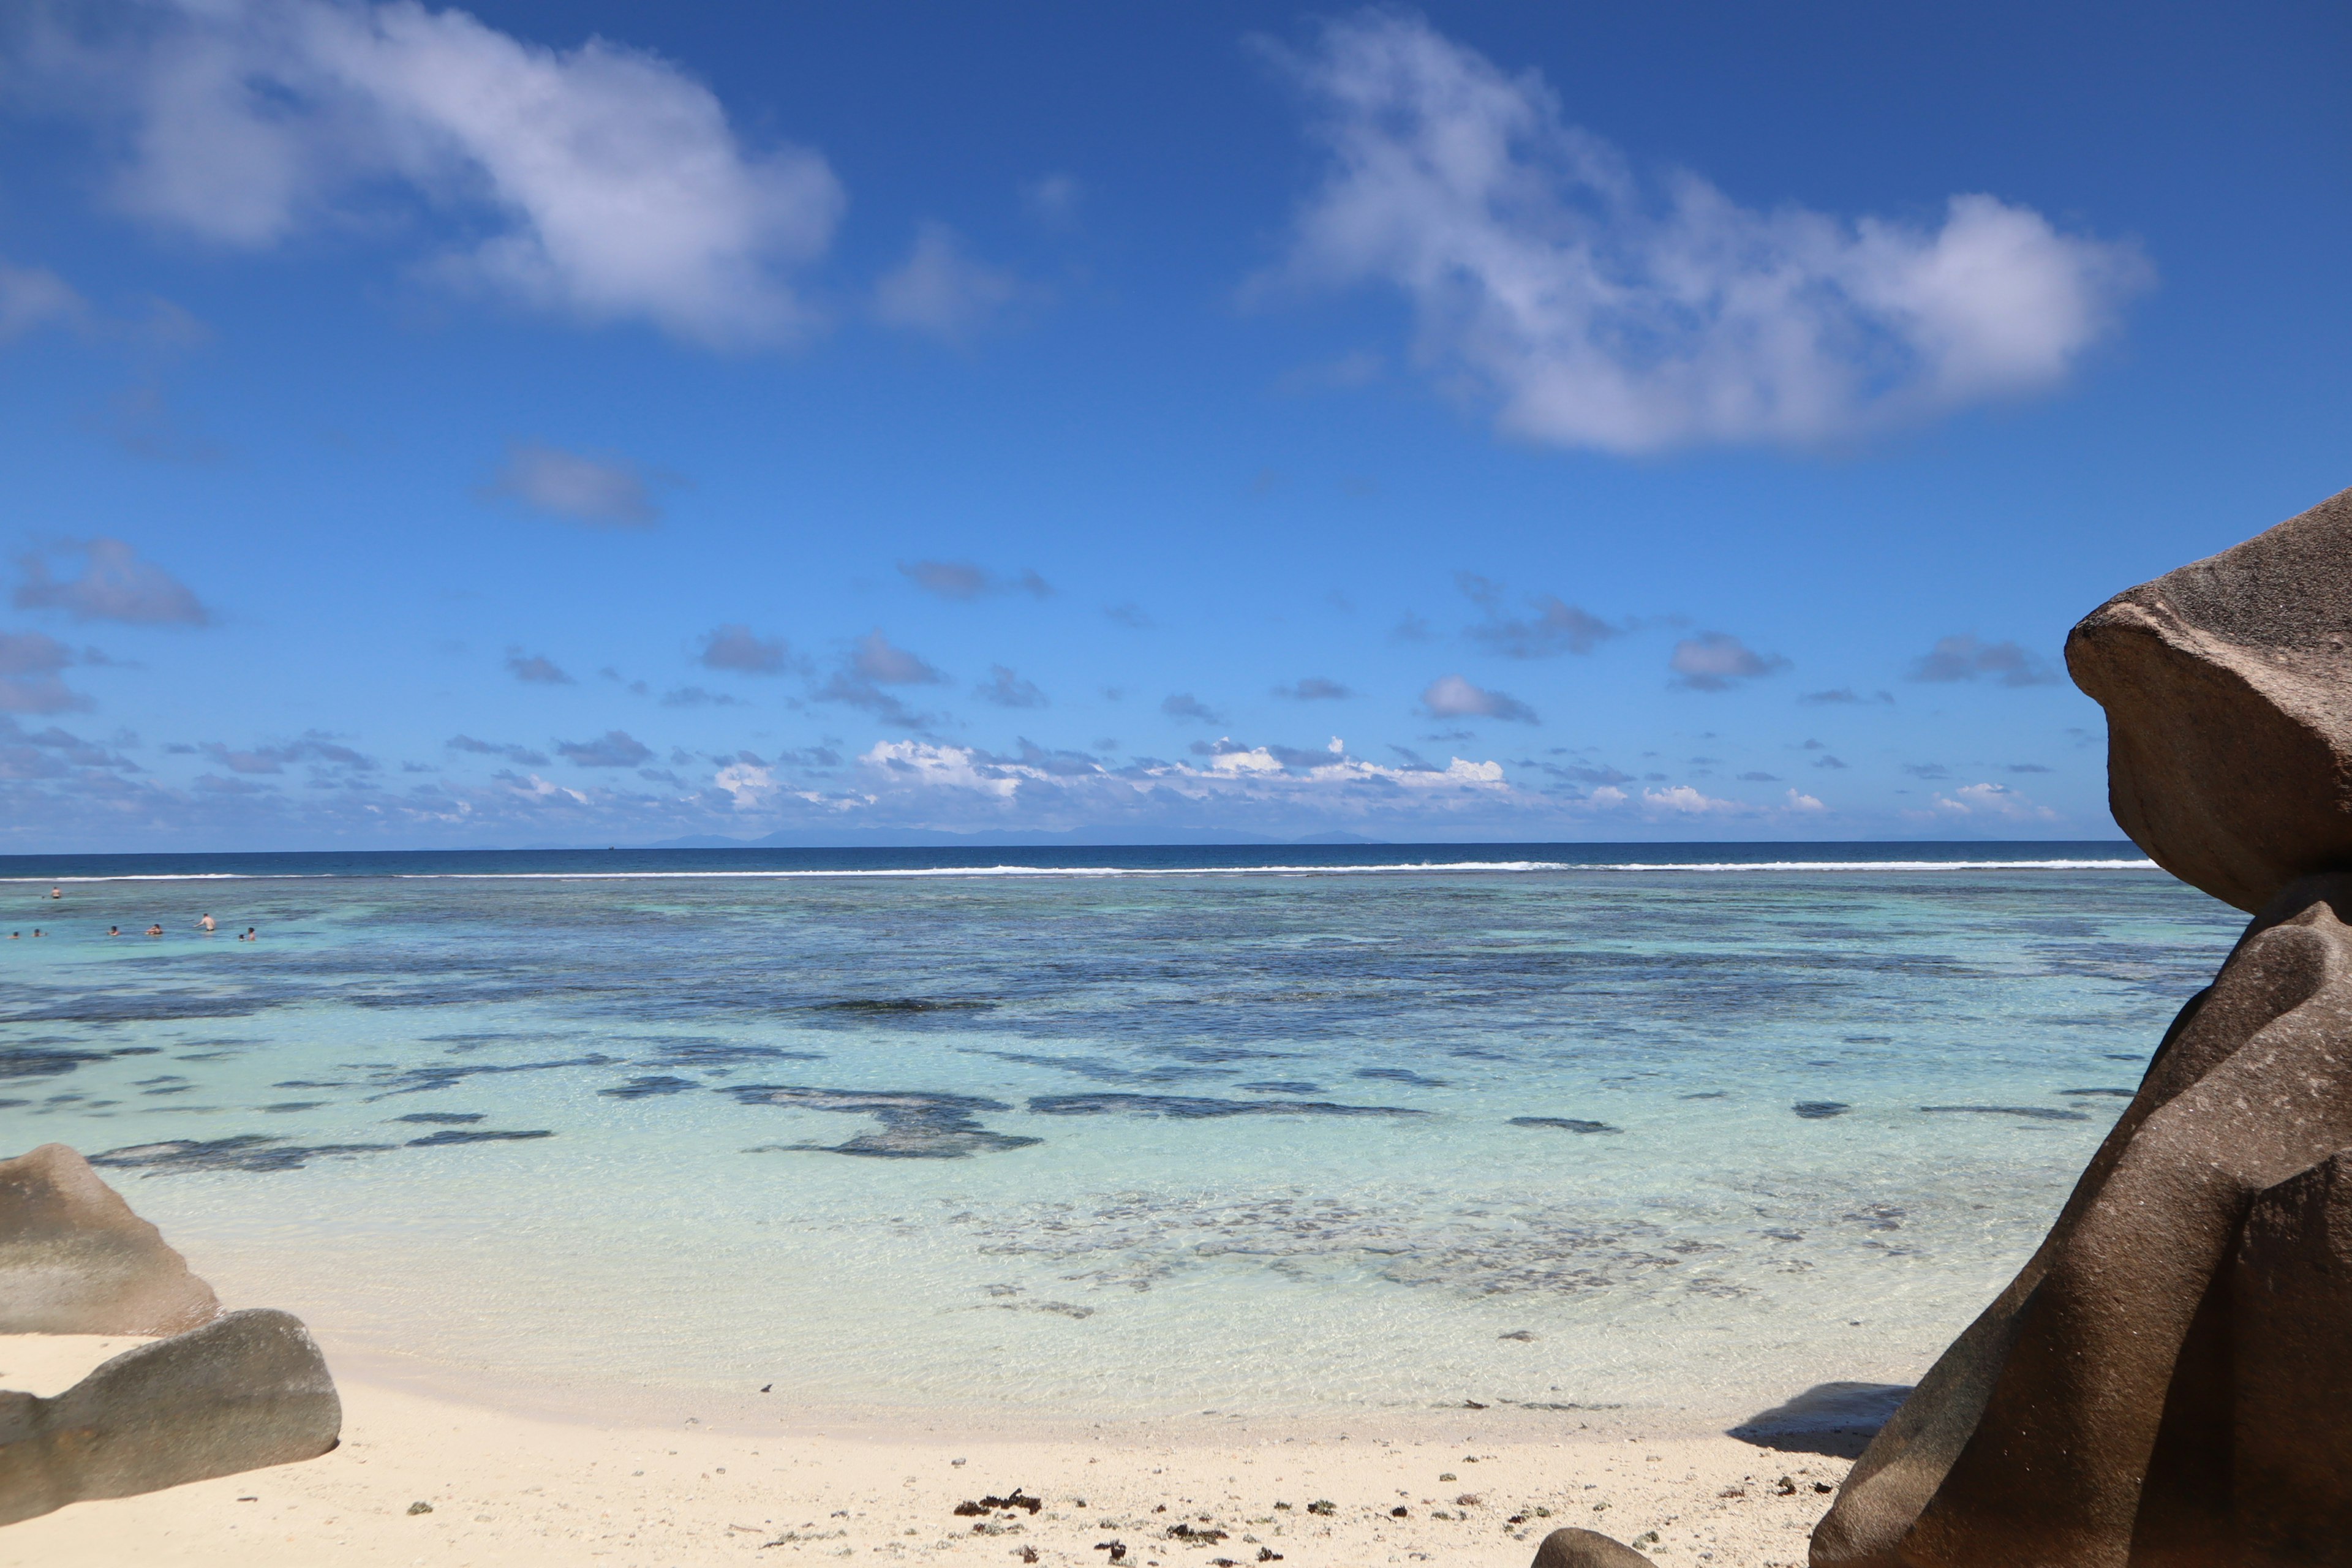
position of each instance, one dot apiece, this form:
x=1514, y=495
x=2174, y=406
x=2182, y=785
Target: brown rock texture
x=2178, y=1354
x=2228, y=687
x=74, y=1260
x=244, y=1391
x=1584, y=1549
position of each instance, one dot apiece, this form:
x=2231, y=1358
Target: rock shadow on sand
x=1838, y=1419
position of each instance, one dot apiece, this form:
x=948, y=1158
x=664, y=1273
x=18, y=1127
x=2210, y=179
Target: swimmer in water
x=57, y=892
x=38, y=932
x=114, y=931
x=250, y=935
x=156, y=930
x=205, y=923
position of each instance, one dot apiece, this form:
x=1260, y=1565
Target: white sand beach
x=506, y=1487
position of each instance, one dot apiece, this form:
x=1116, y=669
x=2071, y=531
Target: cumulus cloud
x=29, y=663
x=940, y=290
x=1007, y=689
x=1715, y=661
x=1594, y=307
x=735, y=646
x=600, y=493
x=34, y=297
x=613, y=749
x=1184, y=705
x=114, y=585
x=601, y=182
x=1554, y=627
x=1966, y=659
x=511, y=752
x=963, y=580
x=536, y=669
x=1314, y=689
x=1452, y=696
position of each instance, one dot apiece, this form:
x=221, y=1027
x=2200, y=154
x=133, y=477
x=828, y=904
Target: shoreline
x=504, y=1486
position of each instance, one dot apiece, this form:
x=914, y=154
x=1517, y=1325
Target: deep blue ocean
x=1657, y=1128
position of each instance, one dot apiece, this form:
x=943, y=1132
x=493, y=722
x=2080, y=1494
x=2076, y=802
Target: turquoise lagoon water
x=1110, y=1133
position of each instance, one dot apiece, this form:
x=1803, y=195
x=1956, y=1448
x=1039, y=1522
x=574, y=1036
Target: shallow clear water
x=1113, y=1144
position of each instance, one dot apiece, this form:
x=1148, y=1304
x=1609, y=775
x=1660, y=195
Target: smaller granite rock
x=74, y=1260
x=246, y=1391
x=1584, y=1549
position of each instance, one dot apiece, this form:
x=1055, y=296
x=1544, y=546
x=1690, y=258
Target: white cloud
x=1594, y=308
x=1711, y=661
x=940, y=290
x=604, y=182
x=1452, y=696
x=1991, y=800
x=601, y=492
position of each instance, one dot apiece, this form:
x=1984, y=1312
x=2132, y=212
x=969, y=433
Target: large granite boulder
x=2228, y=687
x=2165, y=1382
x=1584, y=1549
x=74, y=1260
x=244, y=1391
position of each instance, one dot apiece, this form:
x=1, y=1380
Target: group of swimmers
x=207, y=925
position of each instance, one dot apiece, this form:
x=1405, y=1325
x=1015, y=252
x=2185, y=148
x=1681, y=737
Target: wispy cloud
x=511, y=752
x=1129, y=615
x=737, y=648
x=964, y=580
x=940, y=290
x=601, y=183
x=1007, y=689
x=115, y=585
x=1845, y=694
x=29, y=681
x=1554, y=627
x=1596, y=308
x=1716, y=661
x=34, y=297
x=873, y=663
x=1314, y=689
x=1452, y=696
x=315, y=746
x=613, y=749
x=1184, y=705
x=1966, y=659
x=603, y=492
x=536, y=669
x=1995, y=802
x=1052, y=199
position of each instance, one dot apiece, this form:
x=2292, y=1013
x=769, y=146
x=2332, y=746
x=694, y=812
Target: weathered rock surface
x=244, y=1391
x=2228, y=687
x=74, y=1260
x=1583, y=1549
x=2088, y=1419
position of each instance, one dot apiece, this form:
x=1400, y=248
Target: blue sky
x=600, y=424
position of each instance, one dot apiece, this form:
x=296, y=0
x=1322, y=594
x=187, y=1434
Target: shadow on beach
x=1835, y=1419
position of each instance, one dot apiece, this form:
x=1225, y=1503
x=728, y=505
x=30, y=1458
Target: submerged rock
x=915, y=1125
x=1565, y=1123
x=246, y=1391
x=74, y=1260
x=244, y=1152
x=1193, y=1107
x=2228, y=687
